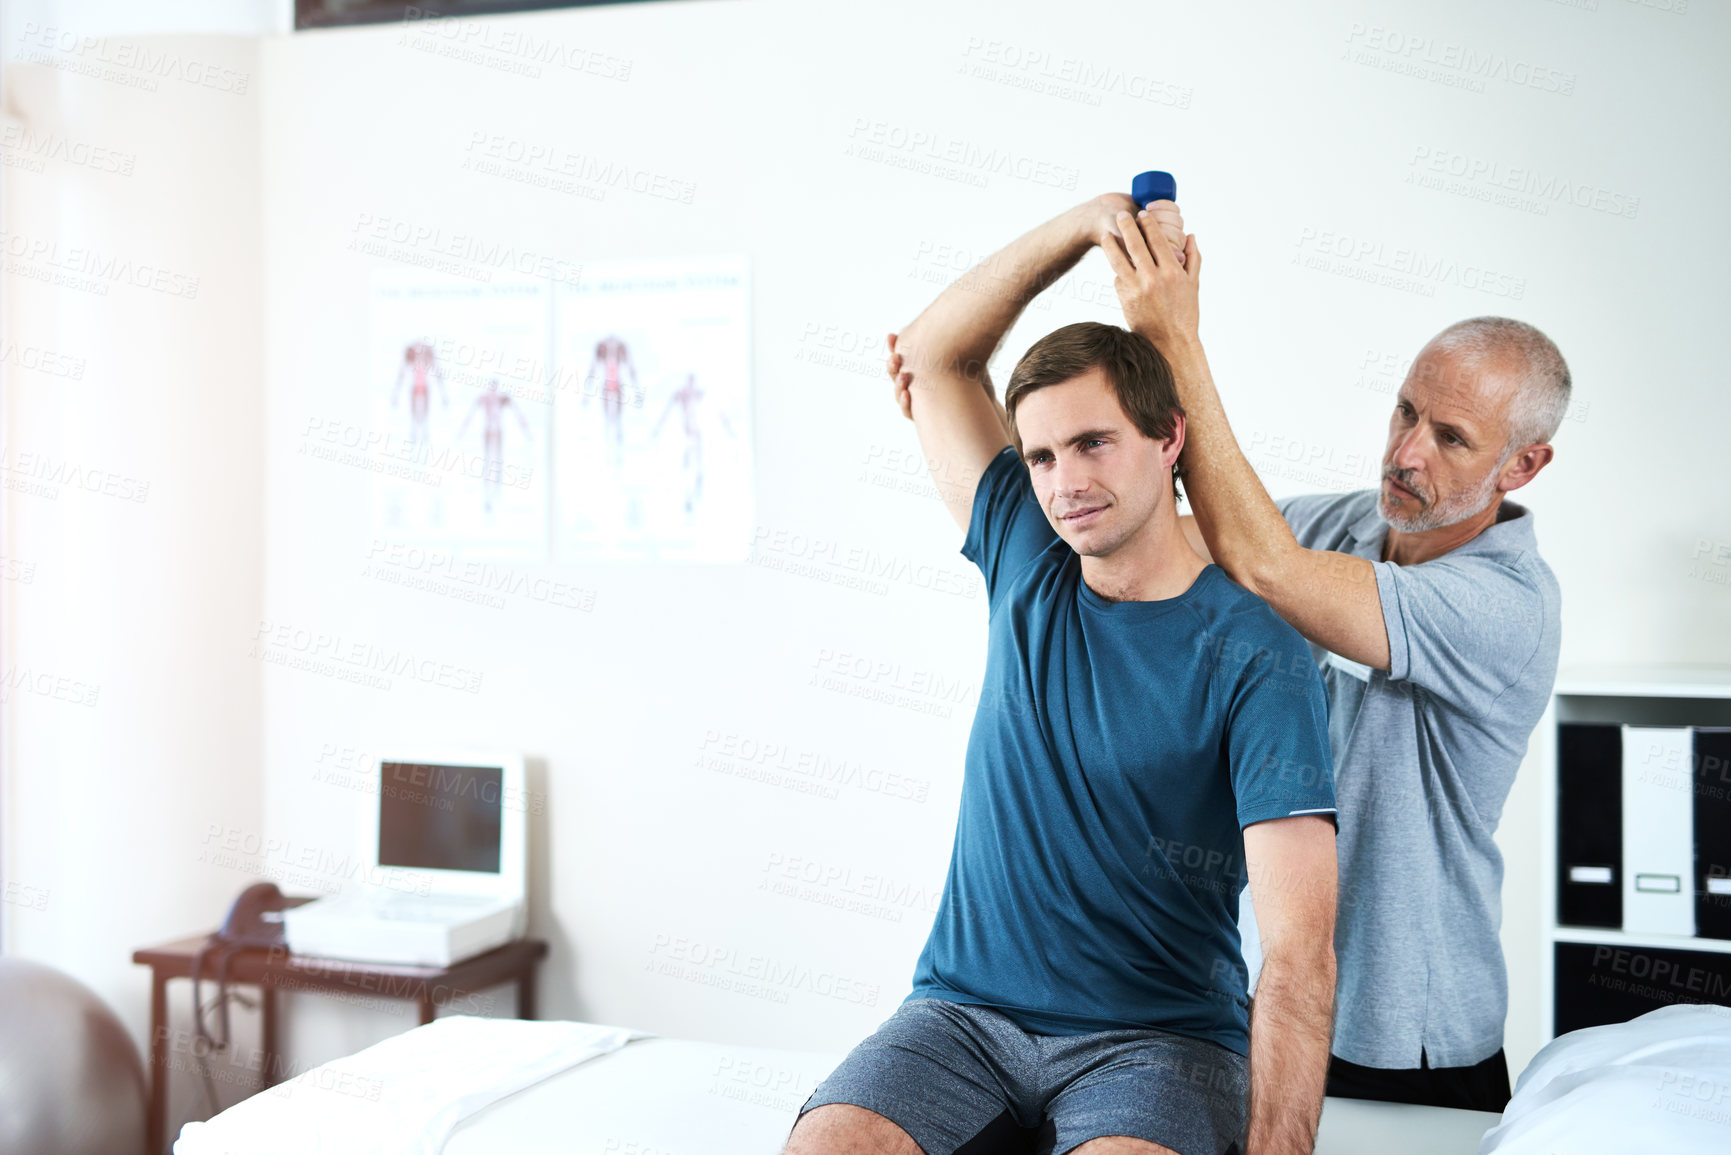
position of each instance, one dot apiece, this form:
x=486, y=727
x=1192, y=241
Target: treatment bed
x=475, y=1086
x=470, y=1086
x=661, y=1096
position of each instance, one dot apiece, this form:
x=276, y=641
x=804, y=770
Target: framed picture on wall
x=335, y=13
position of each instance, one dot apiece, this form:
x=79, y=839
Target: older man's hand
x=1157, y=292
x=1104, y=210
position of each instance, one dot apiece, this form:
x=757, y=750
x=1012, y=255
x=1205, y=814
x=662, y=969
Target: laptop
x=443, y=859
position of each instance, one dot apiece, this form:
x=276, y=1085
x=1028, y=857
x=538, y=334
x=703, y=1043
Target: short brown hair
x=1139, y=375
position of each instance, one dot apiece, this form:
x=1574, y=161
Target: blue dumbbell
x=1153, y=186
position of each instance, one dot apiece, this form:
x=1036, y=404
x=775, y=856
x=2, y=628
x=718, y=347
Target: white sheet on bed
x=1659, y=1083
x=483, y=1086
x=662, y=1096
x=656, y=1096
x=403, y=1096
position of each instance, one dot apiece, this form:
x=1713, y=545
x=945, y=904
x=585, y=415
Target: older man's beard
x=1457, y=507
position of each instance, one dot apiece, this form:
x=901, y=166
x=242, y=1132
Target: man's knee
x=844, y=1129
x=1121, y=1145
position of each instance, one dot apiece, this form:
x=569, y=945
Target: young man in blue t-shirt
x=1150, y=737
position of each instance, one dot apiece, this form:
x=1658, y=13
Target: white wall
x=134, y=485
x=1291, y=130
x=1284, y=139
x=24, y=20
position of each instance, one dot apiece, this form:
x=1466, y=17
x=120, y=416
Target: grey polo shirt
x=1424, y=755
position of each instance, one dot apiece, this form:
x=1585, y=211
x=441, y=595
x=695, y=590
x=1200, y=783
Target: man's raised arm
x=939, y=360
x=1331, y=598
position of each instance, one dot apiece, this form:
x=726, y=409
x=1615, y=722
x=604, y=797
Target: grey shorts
x=966, y=1080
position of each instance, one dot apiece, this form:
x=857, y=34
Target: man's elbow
x=1313, y=950
x=932, y=349
x=1304, y=965
x=1254, y=569
x=916, y=349
x=916, y=340
x=1303, y=947
x=1268, y=570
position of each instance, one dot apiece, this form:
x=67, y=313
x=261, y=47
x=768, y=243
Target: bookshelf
x=1652, y=696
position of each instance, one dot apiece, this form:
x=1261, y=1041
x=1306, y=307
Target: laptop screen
x=434, y=817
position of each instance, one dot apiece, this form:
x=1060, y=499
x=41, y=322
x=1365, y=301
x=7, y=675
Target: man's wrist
x=1186, y=357
x=1183, y=353
x=1082, y=222
x=1088, y=222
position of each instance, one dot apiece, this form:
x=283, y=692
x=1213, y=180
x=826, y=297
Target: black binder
x=1712, y=782
x=1590, y=825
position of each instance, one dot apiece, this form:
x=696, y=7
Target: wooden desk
x=275, y=969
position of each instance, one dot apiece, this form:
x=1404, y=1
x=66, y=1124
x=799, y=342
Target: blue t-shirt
x=1118, y=750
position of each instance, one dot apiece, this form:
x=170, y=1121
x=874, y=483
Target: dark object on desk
x=71, y=1082
x=274, y=968
x=256, y=917
x=255, y=920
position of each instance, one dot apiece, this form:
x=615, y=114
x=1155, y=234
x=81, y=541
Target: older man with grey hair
x=1437, y=624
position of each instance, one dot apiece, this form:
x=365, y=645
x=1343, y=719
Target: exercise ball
x=71, y=1082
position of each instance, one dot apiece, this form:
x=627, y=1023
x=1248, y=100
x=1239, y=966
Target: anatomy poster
x=461, y=413
x=653, y=412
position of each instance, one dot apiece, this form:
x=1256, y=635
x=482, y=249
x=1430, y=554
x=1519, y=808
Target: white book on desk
x=1658, y=830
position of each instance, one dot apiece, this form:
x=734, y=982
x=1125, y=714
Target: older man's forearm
x=1292, y=1021
x=1246, y=534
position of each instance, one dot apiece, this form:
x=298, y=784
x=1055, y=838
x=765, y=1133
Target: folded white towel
x=405, y=1095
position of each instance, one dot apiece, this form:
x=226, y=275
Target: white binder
x=1658, y=830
